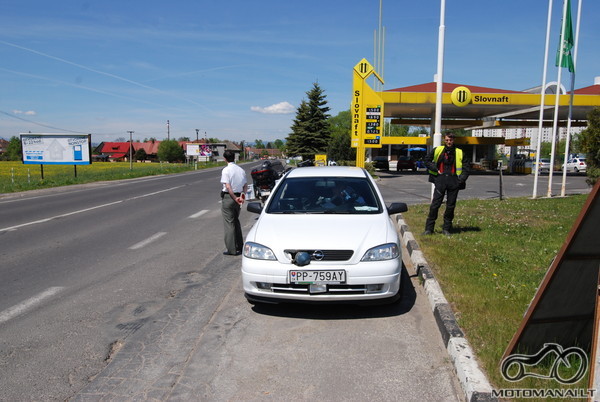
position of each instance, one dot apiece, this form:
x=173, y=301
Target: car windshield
x=323, y=195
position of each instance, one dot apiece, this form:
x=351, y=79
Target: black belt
x=225, y=192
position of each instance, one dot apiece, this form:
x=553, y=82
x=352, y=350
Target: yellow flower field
x=16, y=176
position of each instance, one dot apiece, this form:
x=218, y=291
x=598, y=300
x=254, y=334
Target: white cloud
x=278, y=108
x=27, y=113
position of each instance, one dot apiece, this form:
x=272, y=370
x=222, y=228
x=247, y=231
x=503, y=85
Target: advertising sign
x=367, y=109
x=56, y=149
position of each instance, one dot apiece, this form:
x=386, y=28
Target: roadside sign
x=320, y=160
x=56, y=149
x=367, y=110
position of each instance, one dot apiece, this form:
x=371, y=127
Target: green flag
x=566, y=43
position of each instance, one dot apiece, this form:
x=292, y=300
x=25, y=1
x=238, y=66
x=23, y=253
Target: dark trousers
x=234, y=241
x=447, y=185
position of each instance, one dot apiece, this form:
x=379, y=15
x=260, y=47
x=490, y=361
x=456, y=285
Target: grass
x=490, y=269
x=15, y=176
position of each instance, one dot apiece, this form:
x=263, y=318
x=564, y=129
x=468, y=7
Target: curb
x=472, y=380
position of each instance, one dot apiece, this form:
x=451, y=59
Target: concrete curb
x=472, y=380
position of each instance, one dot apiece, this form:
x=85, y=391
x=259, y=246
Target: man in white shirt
x=233, y=191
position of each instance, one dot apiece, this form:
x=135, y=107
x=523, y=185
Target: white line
x=148, y=240
x=156, y=192
x=58, y=216
x=20, y=308
x=83, y=210
x=198, y=214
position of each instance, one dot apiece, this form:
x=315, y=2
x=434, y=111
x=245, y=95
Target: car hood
x=323, y=231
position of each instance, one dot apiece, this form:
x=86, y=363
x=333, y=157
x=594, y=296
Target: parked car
x=406, y=163
x=576, y=165
x=324, y=235
x=544, y=165
x=381, y=163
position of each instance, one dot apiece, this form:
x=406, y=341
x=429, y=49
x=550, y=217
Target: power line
x=40, y=124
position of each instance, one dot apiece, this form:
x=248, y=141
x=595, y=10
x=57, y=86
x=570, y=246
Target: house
x=119, y=151
x=116, y=151
x=3, y=146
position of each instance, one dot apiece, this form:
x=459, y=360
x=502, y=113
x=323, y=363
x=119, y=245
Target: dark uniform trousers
x=445, y=184
x=230, y=209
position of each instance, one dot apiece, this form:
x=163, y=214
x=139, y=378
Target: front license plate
x=310, y=277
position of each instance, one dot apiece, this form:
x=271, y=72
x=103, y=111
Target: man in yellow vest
x=448, y=171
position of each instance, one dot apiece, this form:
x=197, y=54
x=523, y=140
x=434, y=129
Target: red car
x=406, y=163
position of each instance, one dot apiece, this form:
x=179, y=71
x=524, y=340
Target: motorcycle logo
x=570, y=364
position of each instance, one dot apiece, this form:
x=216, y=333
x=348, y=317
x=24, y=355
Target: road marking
x=198, y=214
x=10, y=228
x=22, y=307
x=154, y=193
x=149, y=240
x=58, y=216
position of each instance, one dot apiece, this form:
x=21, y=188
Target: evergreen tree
x=310, y=130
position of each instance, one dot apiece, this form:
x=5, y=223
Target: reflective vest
x=458, y=157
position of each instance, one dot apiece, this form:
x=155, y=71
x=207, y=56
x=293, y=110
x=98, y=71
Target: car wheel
x=576, y=170
x=414, y=169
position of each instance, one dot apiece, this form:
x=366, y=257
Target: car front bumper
x=268, y=281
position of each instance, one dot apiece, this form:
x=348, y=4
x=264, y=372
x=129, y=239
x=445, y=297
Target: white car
x=324, y=235
x=576, y=165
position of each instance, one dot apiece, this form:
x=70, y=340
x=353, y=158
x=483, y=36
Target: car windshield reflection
x=324, y=195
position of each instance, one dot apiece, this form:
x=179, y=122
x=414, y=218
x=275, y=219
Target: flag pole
x=556, y=104
x=542, y=102
x=564, y=178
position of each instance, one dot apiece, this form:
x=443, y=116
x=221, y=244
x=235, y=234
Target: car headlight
x=258, y=251
x=380, y=253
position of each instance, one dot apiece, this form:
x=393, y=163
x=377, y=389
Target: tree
x=589, y=142
x=395, y=130
x=14, y=150
x=170, y=151
x=259, y=144
x=279, y=144
x=339, y=148
x=140, y=155
x=310, y=130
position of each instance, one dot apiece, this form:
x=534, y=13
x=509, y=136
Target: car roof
x=327, y=171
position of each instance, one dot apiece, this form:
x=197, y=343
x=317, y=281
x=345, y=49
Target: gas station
x=463, y=106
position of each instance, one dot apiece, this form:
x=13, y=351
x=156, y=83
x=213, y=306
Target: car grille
x=328, y=255
x=331, y=289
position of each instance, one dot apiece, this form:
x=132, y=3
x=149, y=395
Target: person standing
x=448, y=171
x=233, y=191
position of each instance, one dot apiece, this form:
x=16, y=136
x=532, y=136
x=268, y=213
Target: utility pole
x=168, y=130
x=130, y=150
x=197, y=134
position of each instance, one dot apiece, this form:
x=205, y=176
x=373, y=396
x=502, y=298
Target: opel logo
x=318, y=255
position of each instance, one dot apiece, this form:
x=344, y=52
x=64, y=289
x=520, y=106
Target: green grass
x=15, y=176
x=490, y=269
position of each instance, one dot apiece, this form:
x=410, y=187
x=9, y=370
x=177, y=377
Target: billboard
x=56, y=149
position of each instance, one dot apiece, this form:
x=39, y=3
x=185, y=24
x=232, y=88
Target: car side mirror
x=255, y=207
x=394, y=208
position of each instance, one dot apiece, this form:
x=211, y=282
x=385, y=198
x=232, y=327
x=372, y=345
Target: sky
x=238, y=70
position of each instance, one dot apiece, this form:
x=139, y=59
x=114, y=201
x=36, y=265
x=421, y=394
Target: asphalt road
x=120, y=289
